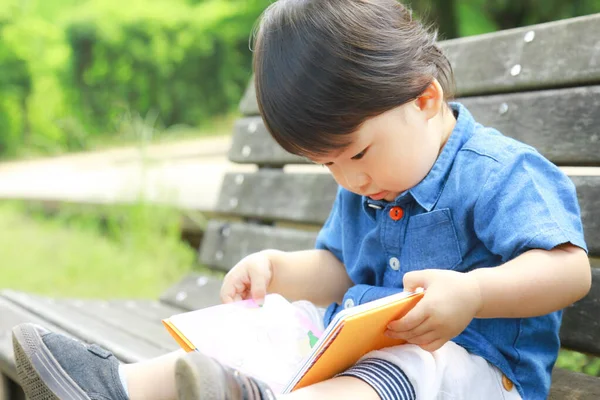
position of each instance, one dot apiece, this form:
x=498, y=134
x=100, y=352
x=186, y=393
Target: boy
x=429, y=198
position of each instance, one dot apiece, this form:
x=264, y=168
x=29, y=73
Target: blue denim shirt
x=487, y=199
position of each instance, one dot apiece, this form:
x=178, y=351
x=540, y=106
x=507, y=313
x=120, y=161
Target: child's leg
x=152, y=379
x=402, y=373
x=199, y=377
x=342, y=388
x=51, y=366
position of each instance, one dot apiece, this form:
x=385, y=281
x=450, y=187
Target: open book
x=280, y=345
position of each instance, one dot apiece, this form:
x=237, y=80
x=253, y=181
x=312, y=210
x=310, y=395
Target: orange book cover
x=355, y=334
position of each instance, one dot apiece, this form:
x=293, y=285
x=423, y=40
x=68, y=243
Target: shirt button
x=507, y=383
x=349, y=303
x=394, y=263
x=396, y=213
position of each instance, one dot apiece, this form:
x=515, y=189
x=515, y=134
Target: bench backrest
x=539, y=84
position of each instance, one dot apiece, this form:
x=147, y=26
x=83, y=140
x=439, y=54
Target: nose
x=357, y=181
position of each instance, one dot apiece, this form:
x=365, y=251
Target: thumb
x=415, y=279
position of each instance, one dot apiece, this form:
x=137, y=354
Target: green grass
x=135, y=253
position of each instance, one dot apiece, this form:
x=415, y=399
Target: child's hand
x=451, y=301
x=250, y=278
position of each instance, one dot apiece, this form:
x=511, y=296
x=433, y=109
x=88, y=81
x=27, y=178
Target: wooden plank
x=580, y=330
x=125, y=316
x=248, y=105
x=588, y=192
x=252, y=144
x=567, y=385
x=551, y=55
x=561, y=124
x=226, y=243
x=150, y=309
x=274, y=195
x=13, y=315
x=555, y=54
x=193, y=292
x=126, y=347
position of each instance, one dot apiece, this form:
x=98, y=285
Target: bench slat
x=228, y=242
x=274, y=195
x=13, y=315
x=561, y=53
x=126, y=347
x=561, y=124
x=307, y=198
x=193, y=292
x=150, y=309
x=124, y=316
x=567, y=385
x=580, y=330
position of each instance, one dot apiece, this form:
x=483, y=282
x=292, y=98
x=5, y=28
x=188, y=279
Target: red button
x=396, y=213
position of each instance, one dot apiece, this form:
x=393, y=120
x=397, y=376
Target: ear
x=431, y=100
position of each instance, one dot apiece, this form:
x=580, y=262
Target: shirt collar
x=428, y=191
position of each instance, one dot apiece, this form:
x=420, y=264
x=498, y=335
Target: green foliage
x=73, y=72
x=183, y=63
x=15, y=87
x=579, y=362
x=33, y=57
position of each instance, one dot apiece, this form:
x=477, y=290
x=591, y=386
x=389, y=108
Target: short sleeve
x=527, y=203
x=330, y=236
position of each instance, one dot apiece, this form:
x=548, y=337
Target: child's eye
x=360, y=155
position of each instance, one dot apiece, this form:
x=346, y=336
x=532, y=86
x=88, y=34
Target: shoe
x=198, y=377
x=52, y=366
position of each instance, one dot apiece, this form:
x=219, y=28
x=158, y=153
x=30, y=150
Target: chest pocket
x=431, y=242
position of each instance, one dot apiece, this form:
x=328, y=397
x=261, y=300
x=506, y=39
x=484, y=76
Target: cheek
x=406, y=167
x=338, y=177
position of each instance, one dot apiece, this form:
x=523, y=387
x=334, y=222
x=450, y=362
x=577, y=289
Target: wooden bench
x=539, y=84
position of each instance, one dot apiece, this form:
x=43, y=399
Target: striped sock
x=386, y=378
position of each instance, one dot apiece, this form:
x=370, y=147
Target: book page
x=268, y=342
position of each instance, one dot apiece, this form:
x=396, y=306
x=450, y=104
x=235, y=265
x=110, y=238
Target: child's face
x=392, y=152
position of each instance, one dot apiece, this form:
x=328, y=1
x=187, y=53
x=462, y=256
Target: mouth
x=377, y=196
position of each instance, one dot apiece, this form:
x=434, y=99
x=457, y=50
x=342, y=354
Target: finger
x=419, y=330
x=433, y=346
x=410, y=321
x=425, y=339
x=258, y=291
x=227, y=292
x=415, y=279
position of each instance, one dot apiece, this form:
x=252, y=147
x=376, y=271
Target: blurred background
x=87, y=76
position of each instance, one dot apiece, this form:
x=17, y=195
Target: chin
x=391, y=197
